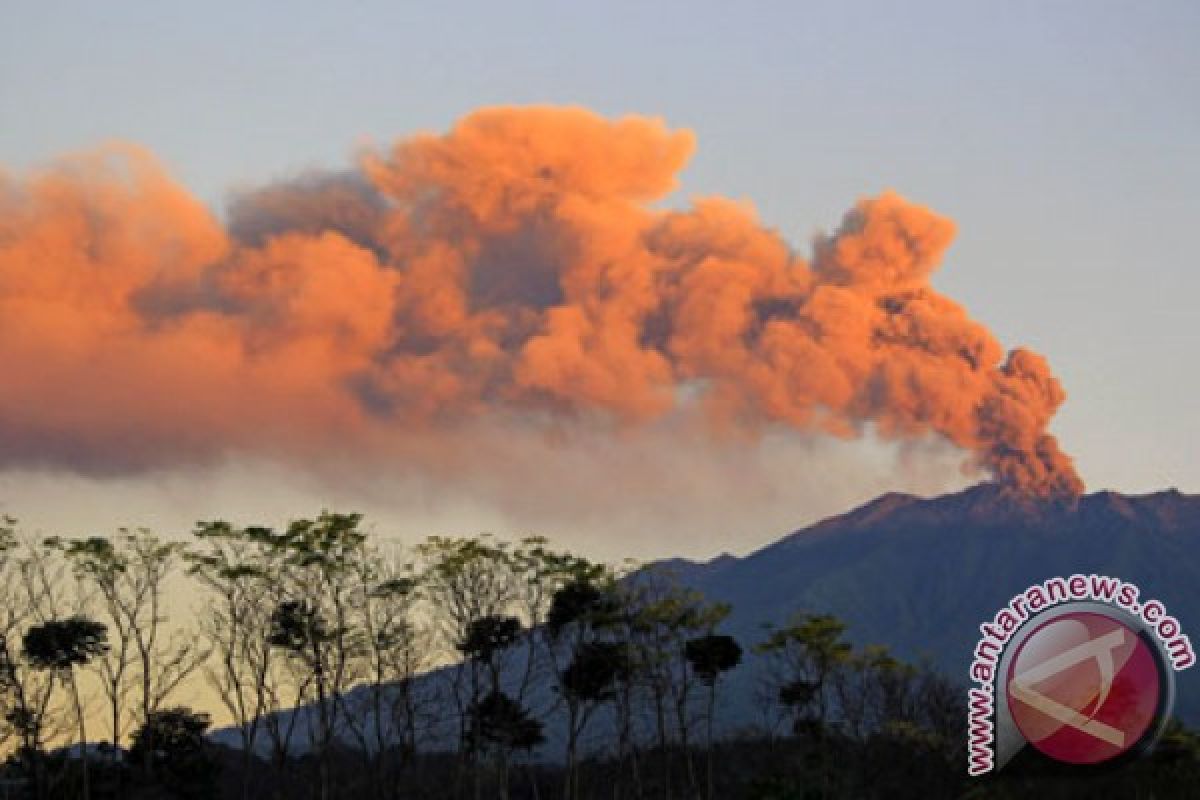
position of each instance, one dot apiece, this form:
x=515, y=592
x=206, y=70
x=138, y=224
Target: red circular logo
x=1084, y=688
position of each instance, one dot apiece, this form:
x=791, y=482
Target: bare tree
x=384, y=717
x=588, y=666
x=31, y=594
x=664, y=616
x=59, y=646
x=466, y=580
x=149, y=659
x=235, y=566
x=710, y=656
x=808, y=658
x=313, y=621
x=97, y=563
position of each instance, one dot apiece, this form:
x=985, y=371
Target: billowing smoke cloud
x=511, y=270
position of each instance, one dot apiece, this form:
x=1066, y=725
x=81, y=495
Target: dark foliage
x=180, y=755
x=296, y=626
x=640, y=671
x=489, y=635
x=577, y=601
x=65, y=643
x=594, y=669
x=711, y=655
x=499, y=721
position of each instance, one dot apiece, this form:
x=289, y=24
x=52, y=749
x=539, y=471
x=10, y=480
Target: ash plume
x=512, y=269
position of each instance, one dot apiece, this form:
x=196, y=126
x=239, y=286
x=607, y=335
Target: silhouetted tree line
x=461, y=668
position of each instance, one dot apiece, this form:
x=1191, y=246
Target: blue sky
x=1063, y=138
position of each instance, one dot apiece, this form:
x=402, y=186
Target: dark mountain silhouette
x=920, y=575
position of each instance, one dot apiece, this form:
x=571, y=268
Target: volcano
x=920, y=574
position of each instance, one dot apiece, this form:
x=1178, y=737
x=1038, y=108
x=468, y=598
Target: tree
x=59, y=646
x=490, y=717
x=31, y=590
x=383, y=715
x=806, y=655
x=807, y=658
x=488, y=637
x=503, y=723
x=872, y=690
x=298, y=628
x=173, y=739
x=499, y=723
x=710, y=656
x=148, y=659
x=579, y=613
x=97, y=562
x=313, y=621
x=665, y=616
x=236, y=567
x=538, y=573
x=466, y=580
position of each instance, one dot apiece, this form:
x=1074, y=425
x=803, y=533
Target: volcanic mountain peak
x=992, y=506
x=982, y=504
x=990, y=503
x=920, y=574
x=1168, y=510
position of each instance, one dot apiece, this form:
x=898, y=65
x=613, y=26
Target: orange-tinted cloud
x=512, y=267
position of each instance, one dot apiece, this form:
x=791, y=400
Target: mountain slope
x=920, y=575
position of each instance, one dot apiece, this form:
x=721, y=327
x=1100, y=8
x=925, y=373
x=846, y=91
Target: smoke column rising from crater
x=512, y=269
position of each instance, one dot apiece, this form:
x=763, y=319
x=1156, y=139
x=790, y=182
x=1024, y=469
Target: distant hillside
x=920, y=575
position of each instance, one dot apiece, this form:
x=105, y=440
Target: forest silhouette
x=467, y=667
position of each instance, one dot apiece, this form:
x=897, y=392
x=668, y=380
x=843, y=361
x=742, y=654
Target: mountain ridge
x=981, y=501
x=920, y=574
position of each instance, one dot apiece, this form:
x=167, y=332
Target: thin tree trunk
x=147, y=757
x=533, y=782
x=246, y=762
x=33, y=749
x=712, y=702
x=569, y=784
x=684, y=739
x=116, y=738
x=661, y=718
x=323, y=744
x=476, y=777
x=83, y=754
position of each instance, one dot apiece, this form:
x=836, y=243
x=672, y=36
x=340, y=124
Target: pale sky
x=1062, y=137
